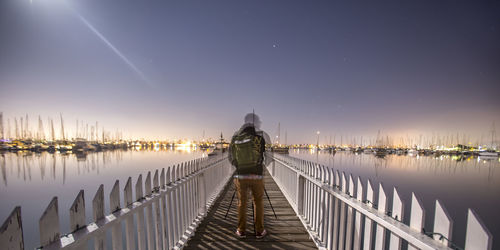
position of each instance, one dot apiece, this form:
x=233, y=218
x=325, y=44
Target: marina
x=146, y=124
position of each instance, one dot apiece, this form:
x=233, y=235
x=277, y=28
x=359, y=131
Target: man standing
x=247, y=155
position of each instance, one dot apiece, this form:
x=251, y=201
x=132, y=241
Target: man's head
x=252, y=118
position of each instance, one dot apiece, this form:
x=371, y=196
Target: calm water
x=460, y=183
x=31, y=180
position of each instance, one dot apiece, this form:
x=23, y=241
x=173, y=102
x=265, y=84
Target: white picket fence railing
x=332, y=208
x=167, y=211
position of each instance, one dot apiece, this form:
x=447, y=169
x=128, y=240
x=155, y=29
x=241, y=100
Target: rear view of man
x=247, y=155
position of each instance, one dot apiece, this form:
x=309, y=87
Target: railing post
x=98, y=214
x=301, y=181
x=203, y=193
x=417, y=216
x=129, y=222
x=11, y=232
x=114, y=206
x=477, y=236
x=273, y=165
x=49, y=224
x=442, y=225
x=77, y=217
x=139, y=196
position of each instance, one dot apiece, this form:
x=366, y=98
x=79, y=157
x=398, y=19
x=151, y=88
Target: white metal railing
x=167, y=211
x=332, y=208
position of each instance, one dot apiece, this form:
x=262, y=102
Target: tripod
x=265, y=191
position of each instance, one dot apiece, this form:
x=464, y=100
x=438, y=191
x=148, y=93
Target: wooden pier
x=285, y=232
x=183, y=206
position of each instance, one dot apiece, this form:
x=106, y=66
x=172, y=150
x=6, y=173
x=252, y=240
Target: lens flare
x=114, y=49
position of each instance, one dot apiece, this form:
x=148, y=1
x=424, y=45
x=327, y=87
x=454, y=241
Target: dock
x=285, y=232
x=183, y=207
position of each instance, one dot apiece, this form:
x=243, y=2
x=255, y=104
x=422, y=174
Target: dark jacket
x=249, y=129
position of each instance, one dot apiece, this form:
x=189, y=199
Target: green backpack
x=246, y=152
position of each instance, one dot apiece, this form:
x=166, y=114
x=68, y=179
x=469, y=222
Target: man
x=247, y=155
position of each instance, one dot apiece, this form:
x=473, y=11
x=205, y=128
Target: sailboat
x=380, y=150
x=490, y=152
x=278, y=148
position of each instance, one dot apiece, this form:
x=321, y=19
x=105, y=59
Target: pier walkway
x=285, y=232
x=183, y=206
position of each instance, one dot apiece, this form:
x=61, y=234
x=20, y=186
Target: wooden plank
x=331, y=209
x=115, y=206
x=127, y=193
x=382, y=207
x=315, y=194
x=350, y=217
x=336, y=215
x=324, y=206
x=114, y=198
x=11, y=232
x=357, y=223
x=77, y=212
x=342, y=228
x=129, y=222
x=162, y=178
x=149, y=214
x=147, y=184
x=164, y=211
x=368, y=235
x=175, y=210
x=98, y=214
x=417, y=216
x=477, y=235
x=139, y=195
x=49, y=224
x=156, y=184
x=442, y=224
x=156, y=204
x=397, y=214
x=168, y=176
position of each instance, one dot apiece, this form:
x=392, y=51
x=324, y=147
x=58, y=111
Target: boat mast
x=279, y=133
x=1, y=125
x=53, y=132
x=17, y=129
x=26, y=128
x=9, y=136
x=41, y=134
x=62, y=128
x=493, y=132
x=22, y=128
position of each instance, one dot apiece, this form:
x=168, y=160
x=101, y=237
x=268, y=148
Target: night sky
x=171, y=69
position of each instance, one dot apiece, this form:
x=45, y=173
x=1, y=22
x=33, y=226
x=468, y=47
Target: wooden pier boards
x=286, y=232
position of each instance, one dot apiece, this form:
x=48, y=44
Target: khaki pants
x=257, y=188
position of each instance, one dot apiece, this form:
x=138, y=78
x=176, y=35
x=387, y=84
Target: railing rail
x=337, y=216
x=167, y=210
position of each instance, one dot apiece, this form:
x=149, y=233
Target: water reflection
x=19, y=165
x=31, y=179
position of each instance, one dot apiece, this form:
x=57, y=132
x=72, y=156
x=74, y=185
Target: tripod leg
x=253, y=218
x=270, y=204
x=231, y=203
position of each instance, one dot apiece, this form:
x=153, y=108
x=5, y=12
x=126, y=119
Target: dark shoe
x=261, y=235
x=240, y=234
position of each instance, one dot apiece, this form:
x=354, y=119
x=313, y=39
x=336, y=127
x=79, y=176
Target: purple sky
x=171, y=69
